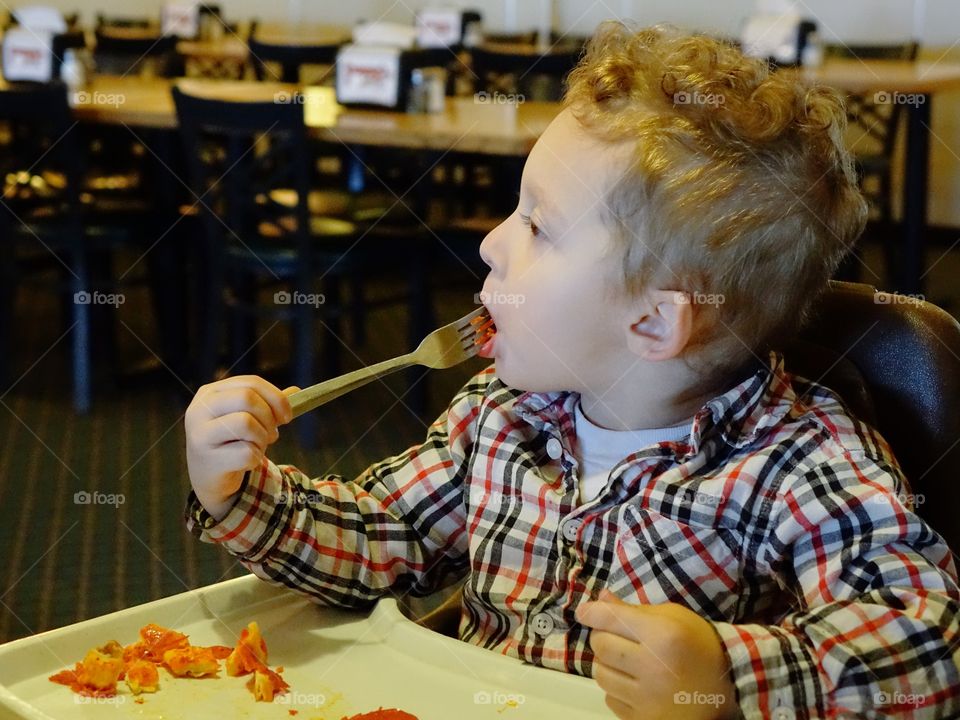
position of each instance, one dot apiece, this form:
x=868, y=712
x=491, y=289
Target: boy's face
x=554, y=286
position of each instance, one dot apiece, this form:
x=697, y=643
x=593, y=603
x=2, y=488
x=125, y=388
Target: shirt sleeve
x=400, y=526
x=874, y=628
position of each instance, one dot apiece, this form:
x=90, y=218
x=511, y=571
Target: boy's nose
x=489, y=248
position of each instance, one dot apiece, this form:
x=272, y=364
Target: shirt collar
x=738, y=416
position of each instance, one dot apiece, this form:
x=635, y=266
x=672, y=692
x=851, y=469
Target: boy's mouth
x=486, y=349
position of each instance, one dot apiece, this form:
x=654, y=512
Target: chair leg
x=243, y=335
x=303, y=368
x=7, y=305
x=80, y=347
x=358, y=309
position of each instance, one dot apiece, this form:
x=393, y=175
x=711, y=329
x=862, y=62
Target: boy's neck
x=642, y=403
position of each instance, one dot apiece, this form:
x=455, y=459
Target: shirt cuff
x=253, y=525
x=772, y=672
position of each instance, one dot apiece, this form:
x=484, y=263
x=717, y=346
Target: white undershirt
x=599, y=450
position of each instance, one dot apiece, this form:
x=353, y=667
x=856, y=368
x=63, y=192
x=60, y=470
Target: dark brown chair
x=896, y=362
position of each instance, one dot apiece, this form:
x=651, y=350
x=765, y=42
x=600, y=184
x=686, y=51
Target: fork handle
x=316, y=395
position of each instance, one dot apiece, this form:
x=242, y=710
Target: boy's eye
x=528, y=221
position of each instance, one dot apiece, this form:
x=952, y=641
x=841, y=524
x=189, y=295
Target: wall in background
x=846, y=20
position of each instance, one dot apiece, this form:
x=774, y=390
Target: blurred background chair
x=270, y=249
x=287, y=63
x=56, y=230
x=896, y=362
x=875, y=122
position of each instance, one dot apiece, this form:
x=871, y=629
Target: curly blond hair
x=739, y=187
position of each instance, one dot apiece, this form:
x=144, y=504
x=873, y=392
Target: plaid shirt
x=781, y=519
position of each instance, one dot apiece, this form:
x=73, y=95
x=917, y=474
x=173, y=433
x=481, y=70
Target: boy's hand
x=229, y=426
x=657, y=661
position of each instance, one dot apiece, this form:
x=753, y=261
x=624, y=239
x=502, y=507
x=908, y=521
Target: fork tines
x=476, y=328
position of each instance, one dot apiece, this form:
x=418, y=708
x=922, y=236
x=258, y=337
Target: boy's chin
x=525, y=381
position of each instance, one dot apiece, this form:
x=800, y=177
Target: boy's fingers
x=238, y=426
x=240, y=455
x=271, y=394
x=242, y=400
x=616, y=684
x=624, y=656
x=629, y=621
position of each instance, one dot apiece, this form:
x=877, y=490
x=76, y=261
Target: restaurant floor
x=63, y=560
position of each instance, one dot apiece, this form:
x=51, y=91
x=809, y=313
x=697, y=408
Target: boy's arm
x=399, y=525
x=876, y=623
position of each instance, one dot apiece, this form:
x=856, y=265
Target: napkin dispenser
x=440, y=27
x=180, y=18
x=780, y=39
x=27, y=55
x=379, y=76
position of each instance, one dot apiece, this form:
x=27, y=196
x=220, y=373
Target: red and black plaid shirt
x=781, y=519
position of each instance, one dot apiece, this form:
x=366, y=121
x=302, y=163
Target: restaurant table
x=921, y=80
x=465, y=125
x=233, y=46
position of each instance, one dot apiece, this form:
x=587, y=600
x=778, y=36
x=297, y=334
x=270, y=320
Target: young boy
x=638, y=491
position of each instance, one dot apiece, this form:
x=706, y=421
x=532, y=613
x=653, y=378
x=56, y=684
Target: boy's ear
x=664, y=326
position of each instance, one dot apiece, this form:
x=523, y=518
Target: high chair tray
x=338, y=663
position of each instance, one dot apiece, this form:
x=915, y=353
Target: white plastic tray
x=338, y=663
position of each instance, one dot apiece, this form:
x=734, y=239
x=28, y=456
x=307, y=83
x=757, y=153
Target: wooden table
x=921, y=80
x=465, y=126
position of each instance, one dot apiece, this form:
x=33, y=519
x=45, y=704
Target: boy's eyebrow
x=547, y=207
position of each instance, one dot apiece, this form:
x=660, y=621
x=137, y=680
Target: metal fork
x=443, y=348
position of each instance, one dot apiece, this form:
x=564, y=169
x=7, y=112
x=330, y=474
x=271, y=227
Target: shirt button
x=542, y=624
x=554, y=448
x=571, y=528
